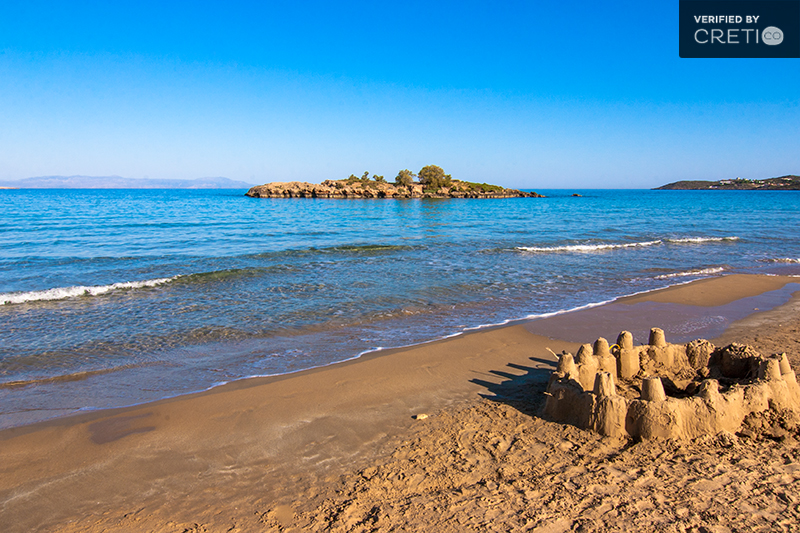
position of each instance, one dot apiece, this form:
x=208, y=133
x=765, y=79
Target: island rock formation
x=375, y=189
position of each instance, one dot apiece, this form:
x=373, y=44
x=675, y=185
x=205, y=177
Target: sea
x=116, y=297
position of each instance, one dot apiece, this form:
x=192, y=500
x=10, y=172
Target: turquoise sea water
x=114, y=297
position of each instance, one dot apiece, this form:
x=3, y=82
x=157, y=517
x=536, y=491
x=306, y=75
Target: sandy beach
x=343, y=448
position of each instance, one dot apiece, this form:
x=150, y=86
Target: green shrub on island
x=433, y=178
x=364, y=180
x=483, y=187
x=405, y=178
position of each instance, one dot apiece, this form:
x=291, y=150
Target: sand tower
x=660, y=389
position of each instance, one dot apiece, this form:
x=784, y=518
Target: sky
x=530, y=94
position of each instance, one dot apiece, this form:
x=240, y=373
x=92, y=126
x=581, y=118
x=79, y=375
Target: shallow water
x=114, y=297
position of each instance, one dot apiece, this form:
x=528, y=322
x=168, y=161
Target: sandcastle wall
x=620, y=391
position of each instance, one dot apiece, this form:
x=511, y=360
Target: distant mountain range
x=783, y=183
x=117, y=182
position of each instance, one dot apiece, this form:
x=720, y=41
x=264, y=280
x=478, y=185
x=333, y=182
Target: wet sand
x=339, y=448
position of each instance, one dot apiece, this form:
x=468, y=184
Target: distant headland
x=430, y=182
x=783, y=183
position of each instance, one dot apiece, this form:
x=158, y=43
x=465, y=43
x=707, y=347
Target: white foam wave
x=585, y=248
x=783, y=260
x=62, y=293
x=700, y=240
x=589, y=248
x=703, y=272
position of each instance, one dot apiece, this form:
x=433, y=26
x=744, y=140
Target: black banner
x=734, y=28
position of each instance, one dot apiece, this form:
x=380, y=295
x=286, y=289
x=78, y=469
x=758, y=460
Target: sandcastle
x=679, y=391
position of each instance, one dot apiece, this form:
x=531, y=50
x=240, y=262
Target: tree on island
x=365, y=178
x=433, y=177
x=405, y=178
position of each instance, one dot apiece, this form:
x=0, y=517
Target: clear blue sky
x=527, y=94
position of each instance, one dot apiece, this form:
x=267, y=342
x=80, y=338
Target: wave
x=782, y=260
x=368, y=248
x=589, y=248
x=63, y=293
x=700, y=240
x=232, y=273
x=585, y=247
x=74, y=376
x=702, y=272
x=354, y=249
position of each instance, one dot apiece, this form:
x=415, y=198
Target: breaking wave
x=782, y=260
x=62, y=293
x=700, y=240
x=589, y=248
x=585, y=247
x=702, y=272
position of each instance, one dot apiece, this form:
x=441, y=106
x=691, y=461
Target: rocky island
x=783, y=183
x=432, y=183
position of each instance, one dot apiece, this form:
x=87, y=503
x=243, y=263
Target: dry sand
x=339, y=448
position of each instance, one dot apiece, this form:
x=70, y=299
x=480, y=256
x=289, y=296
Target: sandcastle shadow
x=524, y=392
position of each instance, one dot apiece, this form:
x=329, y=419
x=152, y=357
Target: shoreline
x=467, y=330
x=271, y=436
x=671, y=294
x=758, y=284
x=531, y=319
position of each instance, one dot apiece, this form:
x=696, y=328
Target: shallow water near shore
x=115, y=297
